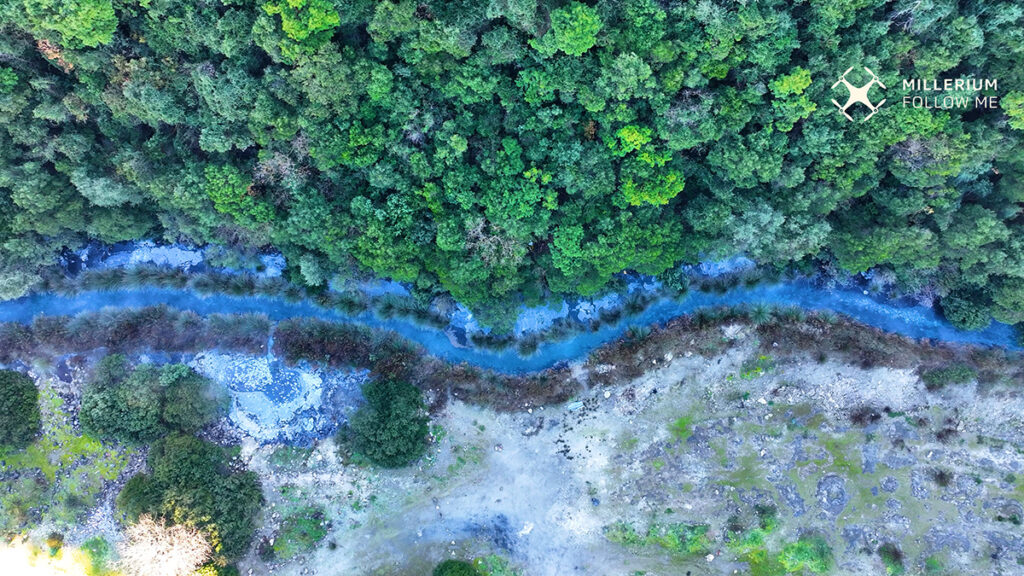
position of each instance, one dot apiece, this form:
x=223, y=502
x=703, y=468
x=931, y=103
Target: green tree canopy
x=573, y=30
x=145, y=402
x=391, y=428
x=76, y=22
x=191, y=483
x=308, y=24
x=19, y=409
x=504, y=151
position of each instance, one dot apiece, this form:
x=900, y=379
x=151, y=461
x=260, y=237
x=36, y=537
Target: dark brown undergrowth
x=793, y=333
x=819, y=336
x=388, y=355
x=640, y=349
x=156, y=328
x=781, y=333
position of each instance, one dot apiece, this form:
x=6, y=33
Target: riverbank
x=759, y=301
x=632, y=301
x=389, y=353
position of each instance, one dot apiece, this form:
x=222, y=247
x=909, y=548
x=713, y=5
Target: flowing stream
x=912, y=321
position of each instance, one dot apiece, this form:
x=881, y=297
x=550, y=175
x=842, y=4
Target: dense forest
x=499, y=150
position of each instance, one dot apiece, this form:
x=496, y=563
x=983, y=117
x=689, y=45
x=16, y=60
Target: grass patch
x=763, y=563
x=747, y=473
x=61, y=473
x=756, y=367
x=289, y=456
x=464, y=456
x=682, y=428
x=300, y=532
x=494, y=565
x=678, y=538
x=954, y=374
x=628, y=443
x=843, y=452
x=810, y=553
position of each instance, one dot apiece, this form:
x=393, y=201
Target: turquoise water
x=912, y=321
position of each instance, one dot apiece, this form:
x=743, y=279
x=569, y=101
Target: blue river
x=912, y=321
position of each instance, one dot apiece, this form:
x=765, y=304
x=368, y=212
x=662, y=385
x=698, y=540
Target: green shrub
x=760, y=313
x=192, y=483
x=20, y=420
x=391, y=428
x=809, y=552
x=767, y=516
x=139, y=495
x=493, y=565
x=188, y=404
x=892, y=557
x=681, y=538
x=933, y=565
x=121, y=404
x=455, y=568
x=624, y=533
x=676, y=279
x=954, y=374
x=216, y=570
x=300, y=531
x=146, y=403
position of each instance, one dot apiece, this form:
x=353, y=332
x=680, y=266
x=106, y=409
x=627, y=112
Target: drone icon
x=858, y=94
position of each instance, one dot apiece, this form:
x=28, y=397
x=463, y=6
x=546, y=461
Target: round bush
x=19, y=409
x=188, y=402
x=391, y=428
x=455, y=568
x=122, y=405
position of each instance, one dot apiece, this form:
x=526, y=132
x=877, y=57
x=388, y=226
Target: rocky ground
x=861, y=457
x=271, y=402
